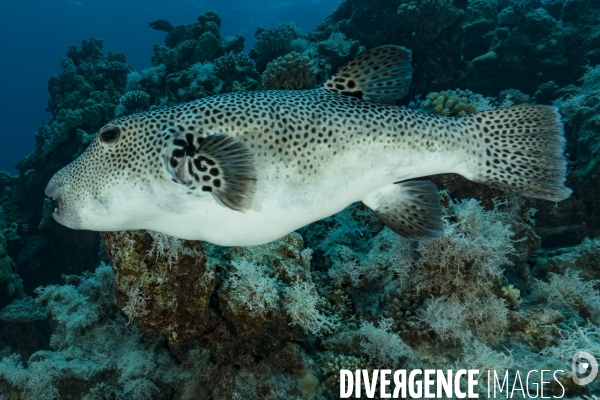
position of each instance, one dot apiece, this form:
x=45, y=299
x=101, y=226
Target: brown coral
x=176, y=291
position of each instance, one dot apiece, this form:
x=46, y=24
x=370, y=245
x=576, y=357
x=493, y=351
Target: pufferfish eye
x=110, y=135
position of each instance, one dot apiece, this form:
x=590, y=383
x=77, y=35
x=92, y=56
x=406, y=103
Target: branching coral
x=484, y=316
x=200, y=41
x=480, y=15
x=166, y=247
x=475, y=242
x=37, y=382
x=136, y=305
x=272, y=43
x=22, y=310
x=301, y=305
x=338, y=50
x=237, y=70
x=479, y=356
x=511, y=293
x=465, y=265
x=70, y=307
x=231, y=65
x=84, y=96
x=386, y=258
x=187, y=48
x=135, y=101
x=118, y=68
x=383, y=347
x=332, y=363
x=253, y=289
x=275, y=39
x=455, y=103
x=89, y=344
x=570, y=291
x=292, y=71
x=574, y=339
x=446, y=317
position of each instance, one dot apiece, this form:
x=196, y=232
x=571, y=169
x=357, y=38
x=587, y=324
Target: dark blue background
x=35, y=34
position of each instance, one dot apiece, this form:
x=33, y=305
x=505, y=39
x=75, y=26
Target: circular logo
x=584, y=363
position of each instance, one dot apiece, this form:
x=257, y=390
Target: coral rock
x=177, y=289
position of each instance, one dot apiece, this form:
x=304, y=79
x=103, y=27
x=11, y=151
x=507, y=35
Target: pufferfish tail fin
x=382, y=74
x=521, y=150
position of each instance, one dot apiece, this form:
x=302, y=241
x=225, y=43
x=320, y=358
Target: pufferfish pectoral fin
x=410, y=209
x=220, y=163
x=382, y=74
x=228, y=170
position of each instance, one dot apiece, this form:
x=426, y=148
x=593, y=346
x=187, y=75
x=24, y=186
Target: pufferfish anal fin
x=382, y=74
x=224, y=165
x=411, y=209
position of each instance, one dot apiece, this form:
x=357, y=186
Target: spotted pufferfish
x=247, y=168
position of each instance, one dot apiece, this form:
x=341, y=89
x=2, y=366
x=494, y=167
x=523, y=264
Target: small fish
x=161, y=25
x=247, y=168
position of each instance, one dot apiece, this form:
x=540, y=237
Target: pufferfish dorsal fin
x=227, y=170
x=382, y=74
x=220, y=163
x=410, y=209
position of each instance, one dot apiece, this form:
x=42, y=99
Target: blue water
x=35, y=34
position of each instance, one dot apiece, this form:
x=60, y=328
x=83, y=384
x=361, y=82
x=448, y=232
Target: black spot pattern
x=523, y=151
x=381, y=74
x=300, y=131
x=303, y=133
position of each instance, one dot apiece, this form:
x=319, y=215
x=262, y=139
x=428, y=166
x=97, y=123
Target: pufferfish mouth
x=56, y=205
x=55, y=196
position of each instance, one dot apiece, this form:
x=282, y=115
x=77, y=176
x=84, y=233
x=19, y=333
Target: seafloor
x=511, y=285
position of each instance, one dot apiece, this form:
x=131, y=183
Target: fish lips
x=62, y=199
x=53, y=191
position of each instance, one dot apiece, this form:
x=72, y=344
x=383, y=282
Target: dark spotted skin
x=316, y=151
x=295, y=129
x=382, y=74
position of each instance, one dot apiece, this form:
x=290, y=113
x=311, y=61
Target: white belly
x=285, y=203
x=282, y=209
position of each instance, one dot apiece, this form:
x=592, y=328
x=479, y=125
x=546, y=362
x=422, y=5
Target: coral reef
x=134, y=101
x=431, y=29
x=22, y=310
x=7, y=265
x=429, y=16
x=338, y=50
x=232, y=319
x=454, y=103
x=82, y=99
x=165, y=284
x=272, y=43
x=172, y=319
x=534, y=41
x=480, y=18
x=183, y=68
x=291, y=71
x=198, y=42
x=237, y=71
x=91, y=342
x=580, y=108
